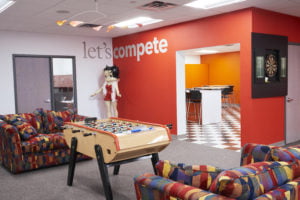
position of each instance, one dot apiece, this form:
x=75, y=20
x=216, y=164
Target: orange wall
x=148, y=87
x=224, y=69
x=196, y=75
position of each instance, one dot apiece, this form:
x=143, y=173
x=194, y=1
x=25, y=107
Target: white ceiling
x=41, y=15
x=218, y=49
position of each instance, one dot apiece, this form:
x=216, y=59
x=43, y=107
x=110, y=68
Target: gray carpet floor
x=51, y=183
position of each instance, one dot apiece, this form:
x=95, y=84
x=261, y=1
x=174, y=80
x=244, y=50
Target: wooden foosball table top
x=120, y=139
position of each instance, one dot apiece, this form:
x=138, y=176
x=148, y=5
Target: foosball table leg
x=103, y=172
x=116, y=169
x=72, y=161
x=154, y=160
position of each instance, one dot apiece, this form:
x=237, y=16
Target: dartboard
x=271, y=65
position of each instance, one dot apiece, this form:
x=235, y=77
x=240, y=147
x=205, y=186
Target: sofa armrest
x=252, y=153
x=290, y=190
x=10, y=144
x=149, y=186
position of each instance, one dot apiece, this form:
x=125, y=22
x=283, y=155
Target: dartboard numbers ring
x=271, y=65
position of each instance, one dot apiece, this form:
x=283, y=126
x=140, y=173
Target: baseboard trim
x=280, y=144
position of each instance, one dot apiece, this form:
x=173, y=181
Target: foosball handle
x=87, y=134
x=170, y=126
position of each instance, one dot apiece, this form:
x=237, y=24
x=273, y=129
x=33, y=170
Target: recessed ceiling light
x=208, y=4
x=4, y=4
x=207, y=51
x=137, y=22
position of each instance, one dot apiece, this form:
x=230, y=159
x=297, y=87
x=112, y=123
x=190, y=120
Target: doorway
x=292, y=105
x=46, y=82
x=228, y=131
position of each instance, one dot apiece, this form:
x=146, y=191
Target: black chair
x=227, y=94
x=195, y=99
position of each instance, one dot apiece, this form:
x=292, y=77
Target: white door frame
x=180, y=80
x=180, y=93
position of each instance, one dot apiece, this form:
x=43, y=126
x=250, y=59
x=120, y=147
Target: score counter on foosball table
x=119, y=139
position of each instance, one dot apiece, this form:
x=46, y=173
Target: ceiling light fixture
x=76, y=23
x=207, y=51
x=137, y=22
x=4, y=4
x=208, y=4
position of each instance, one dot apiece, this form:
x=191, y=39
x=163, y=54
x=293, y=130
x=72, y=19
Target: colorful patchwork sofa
x=266, y=172
x=34, y=140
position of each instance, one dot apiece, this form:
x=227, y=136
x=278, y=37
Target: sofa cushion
x=253, y=180
x=33, y=120
x=43, y=142
x=200, y=176
x=56, y=120
x=26, y=130
x=284, y=192
x=255, y=153
x=286, y=154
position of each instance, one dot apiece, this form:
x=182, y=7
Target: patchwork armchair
x=266, y=172
x=34, y=140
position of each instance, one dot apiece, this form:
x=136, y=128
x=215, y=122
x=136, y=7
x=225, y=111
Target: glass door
x=46, y=82
x=63, y=75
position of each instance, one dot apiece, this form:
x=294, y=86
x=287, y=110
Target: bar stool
x=195, y=99
x=227, y=94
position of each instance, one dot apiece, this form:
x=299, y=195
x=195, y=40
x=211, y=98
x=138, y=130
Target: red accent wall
x=263, y=119
x=149, y=87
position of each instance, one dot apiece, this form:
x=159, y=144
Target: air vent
x=157, y=5
x=88, y=25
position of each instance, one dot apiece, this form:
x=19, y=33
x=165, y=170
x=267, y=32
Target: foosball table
x=113, y=142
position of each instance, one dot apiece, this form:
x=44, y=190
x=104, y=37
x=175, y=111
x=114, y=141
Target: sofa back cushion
x=55, y=120
x=252, y=153
x=286, y=154
x=200, y=176
x=33, y=120
x=250, y=181
x=26, y=130
x=290, y=154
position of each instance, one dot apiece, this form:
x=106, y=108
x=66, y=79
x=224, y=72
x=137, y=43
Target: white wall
x=89, y=66
x=192, y=59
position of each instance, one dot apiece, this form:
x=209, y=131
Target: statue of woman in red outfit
x=110, y=90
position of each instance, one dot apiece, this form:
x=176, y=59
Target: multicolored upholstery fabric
x=252, y=153
x=287, y=191
x=41, y=116
x=31, y=161
x=26, y=130
x=269, y=179
x=56, y=120
x=200, y=176
x=286, y=154
x=151, y=187
x=44, y=142
x=42, y=150
x=251, y=181
x=33, y=120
